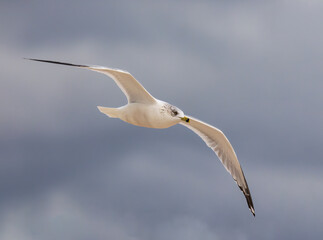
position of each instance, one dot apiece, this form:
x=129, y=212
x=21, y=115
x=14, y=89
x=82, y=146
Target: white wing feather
x=133, y=90
x=218, y=142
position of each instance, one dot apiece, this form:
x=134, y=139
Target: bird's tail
x=111, y=112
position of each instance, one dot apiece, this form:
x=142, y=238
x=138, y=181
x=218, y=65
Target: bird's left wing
x=133, y=90
x=218, y=142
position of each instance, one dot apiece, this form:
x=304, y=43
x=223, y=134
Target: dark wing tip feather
x=250, y=203
x=247, y=195
x=56, y=62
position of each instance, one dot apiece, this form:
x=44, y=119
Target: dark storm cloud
x=251, y=69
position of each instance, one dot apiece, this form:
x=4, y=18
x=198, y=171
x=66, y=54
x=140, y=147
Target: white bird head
x=176, y=113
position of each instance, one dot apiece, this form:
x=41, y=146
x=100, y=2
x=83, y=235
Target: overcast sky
x=252, y=69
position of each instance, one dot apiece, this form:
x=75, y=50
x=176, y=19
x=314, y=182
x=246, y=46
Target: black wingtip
x=246, y=193
x=56, y=62
x=250, y=203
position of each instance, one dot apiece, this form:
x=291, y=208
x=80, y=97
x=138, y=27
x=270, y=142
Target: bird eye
x=173, y=111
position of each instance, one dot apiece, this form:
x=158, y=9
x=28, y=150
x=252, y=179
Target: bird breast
x=147, y=115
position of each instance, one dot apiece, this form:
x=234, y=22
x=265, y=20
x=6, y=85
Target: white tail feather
x=111, y=112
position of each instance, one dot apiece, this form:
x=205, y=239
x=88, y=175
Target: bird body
x=151, y=115
x=146, y=111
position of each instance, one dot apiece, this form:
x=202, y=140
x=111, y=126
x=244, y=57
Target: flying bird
x=146, y=111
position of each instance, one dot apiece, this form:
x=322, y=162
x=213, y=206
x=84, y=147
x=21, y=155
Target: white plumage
x=146, y=111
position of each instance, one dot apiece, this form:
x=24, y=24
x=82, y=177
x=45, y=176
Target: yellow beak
x=186, y=119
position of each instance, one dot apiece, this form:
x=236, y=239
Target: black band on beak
x=186, y=119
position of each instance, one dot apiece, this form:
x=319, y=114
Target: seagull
x=146, y=111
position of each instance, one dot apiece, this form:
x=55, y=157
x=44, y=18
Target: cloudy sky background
x=252, y=69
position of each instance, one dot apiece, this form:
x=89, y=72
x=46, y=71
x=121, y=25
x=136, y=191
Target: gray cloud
x=251, y=69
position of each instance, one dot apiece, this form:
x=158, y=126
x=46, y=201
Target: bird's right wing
x=218, y=142
x=133, y=90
